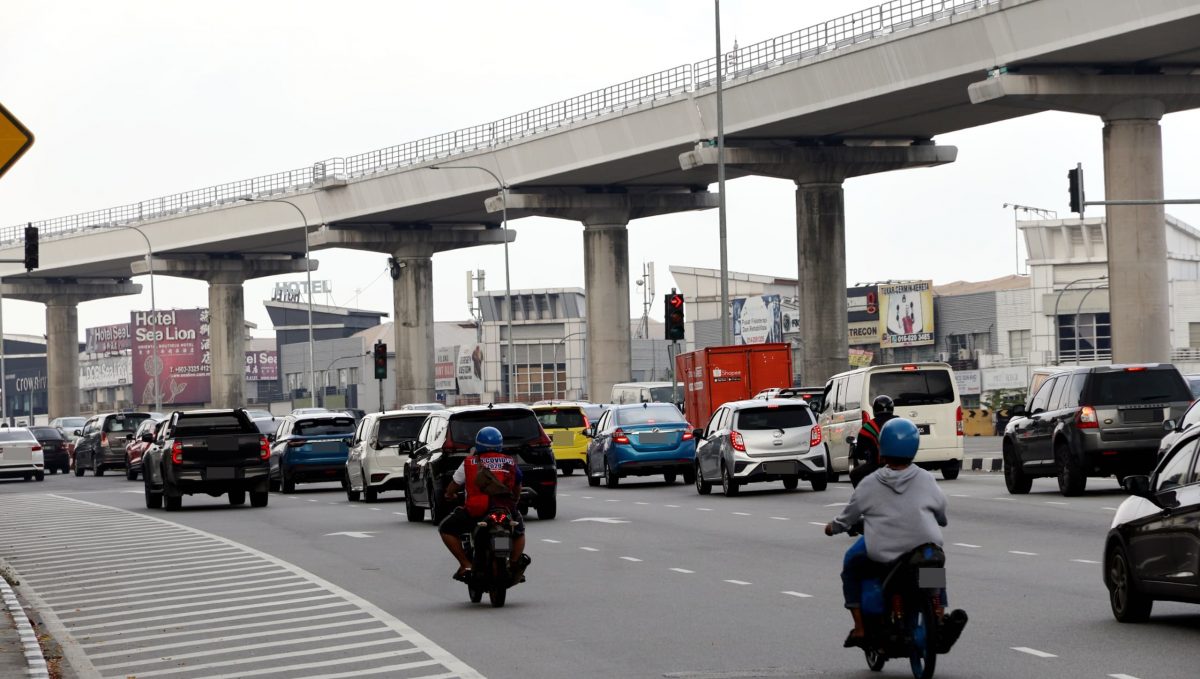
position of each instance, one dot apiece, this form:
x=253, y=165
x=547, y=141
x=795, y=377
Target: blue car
x=311, y=448
x=640, y=439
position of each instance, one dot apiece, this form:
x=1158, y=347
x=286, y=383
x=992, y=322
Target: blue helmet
x=489, y=440
x=899, y=439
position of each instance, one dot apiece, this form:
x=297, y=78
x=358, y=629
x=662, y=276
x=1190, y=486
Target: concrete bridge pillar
x=605, y=217
x=1131, y=107
x=413, y=248
x=62, y=300
x=819, y=172
x=227, y=312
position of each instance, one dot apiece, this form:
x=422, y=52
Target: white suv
x=381, y=445
x=774, y=439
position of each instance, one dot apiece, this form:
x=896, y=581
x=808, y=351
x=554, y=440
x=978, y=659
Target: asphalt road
x=645, y=580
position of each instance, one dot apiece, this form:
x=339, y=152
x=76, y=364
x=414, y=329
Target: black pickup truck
x=207, y=451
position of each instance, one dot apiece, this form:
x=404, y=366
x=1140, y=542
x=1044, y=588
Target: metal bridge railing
x=885, y=19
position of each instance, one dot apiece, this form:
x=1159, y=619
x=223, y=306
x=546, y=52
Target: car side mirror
x=129, y=437
x=698, y=434
x=1016, y=410
x=1170, y=425
x=851, y=440
x=77, y=432
x=270, y=438
x=589, y=432
x=147, y=438
x=376, y=445
x=1138, y=485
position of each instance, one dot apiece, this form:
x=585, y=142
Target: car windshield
x=561, y=418
x=594, y=412
x=1137, y=386
x=218, y=423
x=125, y=423
x=663, y=394
x=1194, y=384
x=516, y=425
x=72, y=422
x=773, y=417
x=914, y=387
x=325, y=427
x=651, y=414
x=267, y=426
x=10, y=435
x=396, y=429
x=47, y=434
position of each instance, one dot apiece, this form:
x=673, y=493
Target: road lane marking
x=564, y=495
x=613, y=500
x=553, y=542
x=585, y=497
x=1018, y=553
x=799, y=595
x=631, y=558
x=1122, y=676
x=272, y=574
x=966, y=544
x=1003, y=499
x=192, y=594
x=672, y=506
x=740, y=583
x=781, y=518
x=72, y=619
x=1087, y=561
x=232, y=637
x=398, y=513
x=121, y=638
x=742, y=514
x=600, y=519
x=816, y=523
x=314, y=500
x=683, y=570
x=704, y=509
x=241, y=647
x=281, y=656
x=958, y=495
x=641, y=503
x=376, y=509
x=837, y=504
x=589, y=549
x=1033, y=651
x=1111, y=509
x=1060, y=504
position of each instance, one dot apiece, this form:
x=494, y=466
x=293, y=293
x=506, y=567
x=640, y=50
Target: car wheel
x=153, y=500
x=1128, y=604
x=52, y=470
x=66, y=468
x=689, y=475
x=259, y=498
x=352, y=495
x=1071, y=478
x=172, y=503
x=569, y=469
x=99, y=471
x=702, y=487
x=370, y=494
x=39, y=476
x=547, y=509
x=728, y=484
x=611, y=480
x=830, y=475
x=78, y=470
x=437, y=510
x=272, y=483
x=286, y=483
x=1015, y=478
x=950, y=470
x=237, y=498
x=411, y=510
x=791, y=482
x=669, y=477
x=130, y=473
x=819, y=483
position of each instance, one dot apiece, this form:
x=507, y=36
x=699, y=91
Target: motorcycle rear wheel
x=475, y=594
x=922, y=629
x=498, y=587
x=875, y=660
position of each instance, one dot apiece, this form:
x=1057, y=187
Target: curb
x=33, y=650
x=983, y=464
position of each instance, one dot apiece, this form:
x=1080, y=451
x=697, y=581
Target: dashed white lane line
x=781, y=518
x=398, y=513
x=1111, y=509
x=585, y=497
x=837, y=504
x=1019, y=553
x=589, y=549
x=958, y=495
x=742, y=514
x=631, y=558
x=313, y=500
x=704, y=509
x=1060, y=504
x=612, y=500
x=672, y=506
x=641, y=503
x=1087, y=561
x=798, y=595
x=815, y=523
x=1122, y=676
x=1004, y=499
x=376, y=509
x=966, y=544
x=683, y=570
x=741, y=583
x=553, y=542
x=1033, y=651
x=564, y=495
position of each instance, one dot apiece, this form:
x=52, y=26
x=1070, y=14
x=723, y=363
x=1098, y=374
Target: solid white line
x=742, y=514
x=738, y=582
x=239, y=647
x=1061, y=504
x=966, y=544
x=129, y=573
x=1087, y=561
x=1111, y=509
x=192, y=594
x=682, y=570
x=157, y=556
x=781, y=518
x=122, y=639
x=553, y=542
x=160, y=586
x=138, y=542
x=631, y=558
x=1034, y=652
x=589, y=549
x=295, y=654
x=800, y=595
x=1013, y=551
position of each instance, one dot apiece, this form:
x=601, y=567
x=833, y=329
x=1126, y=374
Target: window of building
x=1086, y=338
x=1194, y=335
x=957, y=343
x=1020, y=343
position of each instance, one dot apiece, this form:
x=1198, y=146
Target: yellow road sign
x=15, y=140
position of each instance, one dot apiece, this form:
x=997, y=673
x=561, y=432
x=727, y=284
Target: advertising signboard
x=757, y=320
x=107, y=339
x=182, y=368
x=444, y=370
x=970, y=382
x=861, y=358
x=863, y=332
x=470, y=369
x=262, y=366
x=906, y=314
x=107, y=371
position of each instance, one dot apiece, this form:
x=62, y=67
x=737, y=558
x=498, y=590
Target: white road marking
x=683, y=570
x=1122, y=676
x=585, y=497
x=564, y=495
x=837, y=504
x=781, y=518
x=398, y=513
x=1111, y=509
x=376, y=509
x=742, y=514
x=1034, y=652
x=553, y=542
x=672, y=506
x=589, y=549
x=641, y=503
x=313, y=500
x=631, y=558
x=1088, y=561
x=353, y=533
x=704, y=509
x=240, y=648
x=1013, y=551
x=613, y=500
x=966, y=544
x=1061, y=504
x=600, y=519
x=294, y=654
x=958, y=495
x=800, y=595
x=1005, y=499
x=274, y=624
x=738, y=582
x=815, y=523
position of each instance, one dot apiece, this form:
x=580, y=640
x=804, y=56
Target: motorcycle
x=490, y=546
x=903, y=609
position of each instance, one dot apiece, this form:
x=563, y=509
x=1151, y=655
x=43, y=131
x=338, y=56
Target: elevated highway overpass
x=864, y=93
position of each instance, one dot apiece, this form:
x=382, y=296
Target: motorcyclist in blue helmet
x=901, y=507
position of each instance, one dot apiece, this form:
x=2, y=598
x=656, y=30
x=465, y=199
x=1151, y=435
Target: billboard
x=862, y=314
x=444, y=370
x=108, y=371
x=757, y=320
x=906, y=314
x=262, y=366
x=970, y=382
x=470, y=369
x=182, y=367
x=860, y=358
x=107, y=339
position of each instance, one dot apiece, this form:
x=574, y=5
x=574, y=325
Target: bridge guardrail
x=851, y=29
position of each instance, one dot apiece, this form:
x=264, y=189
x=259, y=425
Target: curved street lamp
x=1089, y=279
x=154, y=314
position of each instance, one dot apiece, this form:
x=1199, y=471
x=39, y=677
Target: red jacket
x=504, y=467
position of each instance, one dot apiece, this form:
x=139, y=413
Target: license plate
x=779, y=467
x=931, y=578
x=1142, y=416
x=220, y=473
x=223, y=444
x=501, y=543
x=923, y=429
x=326, y=447
x=654, y=438
x=564, y=438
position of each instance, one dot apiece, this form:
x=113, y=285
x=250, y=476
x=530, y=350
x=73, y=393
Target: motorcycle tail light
x=498, y=517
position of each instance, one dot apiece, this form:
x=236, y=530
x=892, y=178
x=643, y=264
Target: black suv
x=1098, y=421
x=448, y=436
x=101, y=442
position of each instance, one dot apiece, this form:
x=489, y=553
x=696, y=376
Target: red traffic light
x=675, y=301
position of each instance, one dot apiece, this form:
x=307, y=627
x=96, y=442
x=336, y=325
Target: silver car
x=760, y=440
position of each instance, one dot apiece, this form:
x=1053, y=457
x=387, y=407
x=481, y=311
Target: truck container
x=717, y=375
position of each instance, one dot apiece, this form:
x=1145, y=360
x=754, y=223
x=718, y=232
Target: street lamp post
x=153, y=314
x=312, y=369
x=342, y=358
x=508, y=396
x=726, y=330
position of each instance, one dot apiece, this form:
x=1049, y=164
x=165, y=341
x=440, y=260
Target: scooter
x=490, y=546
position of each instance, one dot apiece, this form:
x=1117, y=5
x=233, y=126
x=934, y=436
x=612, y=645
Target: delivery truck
x=717, y=375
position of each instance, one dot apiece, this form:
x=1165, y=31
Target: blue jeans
x=854, y=566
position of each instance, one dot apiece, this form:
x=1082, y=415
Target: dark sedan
x=1153, y=549
x=54, y=448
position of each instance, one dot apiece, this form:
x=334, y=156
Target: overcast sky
x=134, y=99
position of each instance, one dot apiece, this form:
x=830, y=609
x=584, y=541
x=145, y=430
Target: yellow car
x=564, y=424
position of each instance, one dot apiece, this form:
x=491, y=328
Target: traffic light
x=380, y=361
x=674, y=316
x=31, y=248
x=1075, y=188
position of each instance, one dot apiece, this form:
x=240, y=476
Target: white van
x=925, y=393
x=646, y=392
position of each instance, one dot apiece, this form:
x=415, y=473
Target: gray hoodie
x=901, y=510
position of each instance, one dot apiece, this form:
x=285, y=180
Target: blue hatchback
x=640, y=440
x=310, y=449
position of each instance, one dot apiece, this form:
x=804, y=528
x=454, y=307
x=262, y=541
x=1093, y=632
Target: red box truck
x=717, y=375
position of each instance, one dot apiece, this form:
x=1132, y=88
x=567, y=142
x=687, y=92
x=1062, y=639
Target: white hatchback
x=381, y=447
x=21, y=454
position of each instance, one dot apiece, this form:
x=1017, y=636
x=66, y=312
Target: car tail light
x=735, y=440
x=450, y=446
x=1135, y=369
x=687, y=436
x=296, y=443
x=620, y=437
x=909, y=368
x=264, y=448
x=586, y=422
x=958, y=422
x=543, y=439
x=104, y=440
x=815, y=436
x=35, y=448
x=177, y=453
x=1086, y=418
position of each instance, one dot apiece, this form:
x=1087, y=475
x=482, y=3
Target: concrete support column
x=62, y=356
x=1137, y=239
x=821, y=265
x=606, y=280
x=227, y=342
x=412, y=295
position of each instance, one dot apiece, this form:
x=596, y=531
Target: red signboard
x=262, y=366
x=182, y=365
